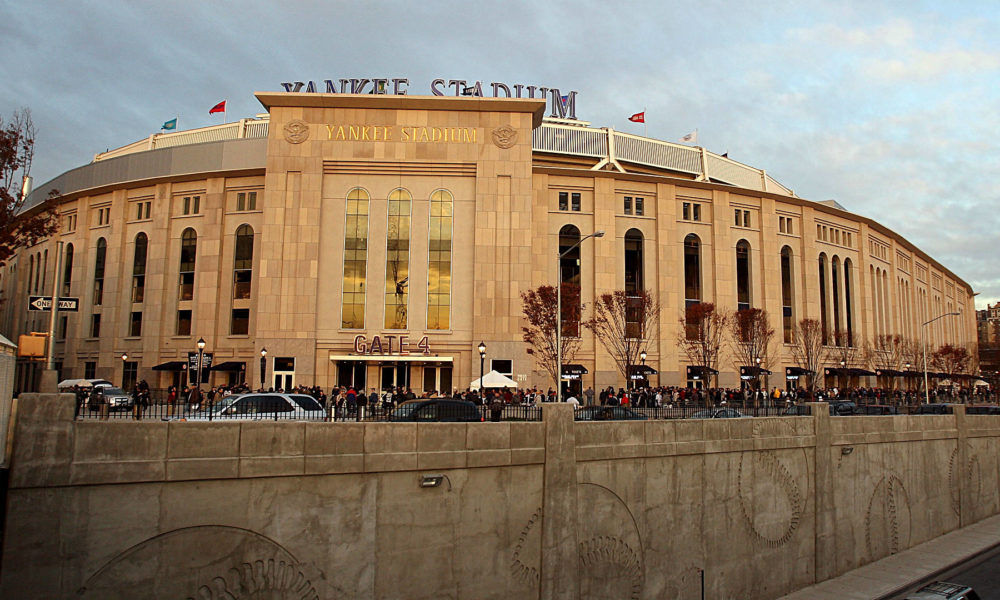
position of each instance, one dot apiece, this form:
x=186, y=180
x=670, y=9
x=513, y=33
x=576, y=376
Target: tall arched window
x=243, y=263
x=633, y=282
x=31, y=271
x=787, y=312
x=439, y=261
x=189, y=255
x=139, y=268
x=692, y=278
x=824, y=323
x=397, y=259
x=569, y=277
x=835, y=279
x=743, y=301
x=100, y=258
x=848, y=302
x=68, y=270
x=355, y=260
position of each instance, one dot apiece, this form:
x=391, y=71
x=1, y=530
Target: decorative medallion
x=887, y=521
x=504, y=137
x=770, y=499
x=296, y=131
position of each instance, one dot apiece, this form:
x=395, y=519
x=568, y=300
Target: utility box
x=31, y=345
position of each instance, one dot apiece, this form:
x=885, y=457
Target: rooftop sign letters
x=561, y=105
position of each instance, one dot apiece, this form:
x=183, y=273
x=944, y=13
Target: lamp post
x=757, y=360
x=124, y=359
x=482, y=363
x=201, y=352
x=927, y=390
x=560, y=255
x=263, y=366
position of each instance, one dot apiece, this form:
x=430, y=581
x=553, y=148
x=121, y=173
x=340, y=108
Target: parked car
x=259, y=407
x=982, y=409
x=837, y=409
x=717, y=413
x=437, y=410
x=608, y=413
x=114, y=397
x=944, y=591
x=933, y=409
x=877, y=409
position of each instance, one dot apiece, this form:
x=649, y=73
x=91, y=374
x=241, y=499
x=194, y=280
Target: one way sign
x=45, y=303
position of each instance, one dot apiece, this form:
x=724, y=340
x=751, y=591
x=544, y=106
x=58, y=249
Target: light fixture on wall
x=433, y=481
x=846, y=450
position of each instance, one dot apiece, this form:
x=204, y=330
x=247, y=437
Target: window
x=139, y=268
x=142, y=210
x=240, y=322
x=788, y=226
x=743, y=275
x=574, y=202
x=781, y=225
x=691, y=211
x=835, y=280
x=63, y=323
x=739, y=219
x=184, y=322
x=692, y=277
x=787, y=318
x=246, y=201
x=563, y=200
x=130, y=370
x=504, y=366
x=397, y=259
x=628, y=205
x=824, y=324
x=243, y=263
x=639, y=208
x=439, y=261
x=746, y=218
x=90, y=370
x=99, y=260
x=355, y=260
x=189, y=252
x=569, y=277
x=135, y=324
x=686, y=211
x=192, y=205
x=848, y=308
x=68, y=271
x=633, y=283
x=95, y=326
x=70, y=223
x=103, y=216
x=696, y=212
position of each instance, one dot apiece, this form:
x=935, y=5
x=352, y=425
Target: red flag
x=220, y=107
x=636, y=118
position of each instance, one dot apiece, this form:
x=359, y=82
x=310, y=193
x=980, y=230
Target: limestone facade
x=509, y=204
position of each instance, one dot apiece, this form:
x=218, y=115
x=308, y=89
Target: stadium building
x=376, y=240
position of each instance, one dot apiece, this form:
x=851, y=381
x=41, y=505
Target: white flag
x=691, y=138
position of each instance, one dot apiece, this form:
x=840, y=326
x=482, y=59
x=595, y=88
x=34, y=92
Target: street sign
x=45, y=303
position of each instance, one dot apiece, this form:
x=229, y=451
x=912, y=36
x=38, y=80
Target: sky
x=889, y=108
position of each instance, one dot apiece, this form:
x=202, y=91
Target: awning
x=174, y=365
x=796, y=372
x=852, y=372
x=574, y=370
x=391, y=358
x=889, y=373
x=700, y=372
x=753, y=371
x=643, y=370
x=230, y=366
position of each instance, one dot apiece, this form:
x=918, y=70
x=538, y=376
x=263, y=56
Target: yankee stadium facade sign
x=561, y=105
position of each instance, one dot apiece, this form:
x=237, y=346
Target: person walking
x=588, y=394
x=171, y=400
x=362, y=401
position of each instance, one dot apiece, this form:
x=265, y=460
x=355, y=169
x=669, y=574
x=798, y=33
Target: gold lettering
x=405, y=133
x=436, y=134
x=340, y=133
x=473, y=130
x=329, y=132
x=423, y=135
x=364, y=133
x=387, y=134
x=355, y=132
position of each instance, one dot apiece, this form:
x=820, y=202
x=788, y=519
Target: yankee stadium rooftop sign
x=562, y=106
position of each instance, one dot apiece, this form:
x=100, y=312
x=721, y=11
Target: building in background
x=375, y=240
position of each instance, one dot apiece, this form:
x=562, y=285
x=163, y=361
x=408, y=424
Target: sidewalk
x=893, y=574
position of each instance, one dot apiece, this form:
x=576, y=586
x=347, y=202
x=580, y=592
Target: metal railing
x=242, y=129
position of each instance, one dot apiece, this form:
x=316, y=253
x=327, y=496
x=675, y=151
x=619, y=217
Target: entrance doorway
x=395, y=375
x=437, y=379
x=284, y=373
x=352, y=374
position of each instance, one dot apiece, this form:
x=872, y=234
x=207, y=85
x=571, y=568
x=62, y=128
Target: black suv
x=944, y=591
x=437, y=410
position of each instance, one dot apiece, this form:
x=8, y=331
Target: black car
x=608, y=413
x=440, y=410
x=878, y=409
x=933, y=409
x=837, y=409
x=717, y=413
x=944, y=591
x=982, y=409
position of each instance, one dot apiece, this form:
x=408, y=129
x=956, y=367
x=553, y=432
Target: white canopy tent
x=494, y=380
x=67, y=383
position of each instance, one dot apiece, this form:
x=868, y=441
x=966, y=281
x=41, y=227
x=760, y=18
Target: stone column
x=962, y=466
x=825, y=544
x=559, y=578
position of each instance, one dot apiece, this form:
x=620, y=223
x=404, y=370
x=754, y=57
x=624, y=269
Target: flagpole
x=644, y=122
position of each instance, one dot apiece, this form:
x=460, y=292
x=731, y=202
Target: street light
x=927, y=390
x=124, y=358
x=201, y=352
x=263, y=366
x=758, y=374
x=482, y=362
x=560, y=255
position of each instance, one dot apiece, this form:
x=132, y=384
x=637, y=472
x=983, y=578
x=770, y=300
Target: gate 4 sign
x=45, y=303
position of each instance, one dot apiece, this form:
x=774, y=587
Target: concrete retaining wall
x=527, y=510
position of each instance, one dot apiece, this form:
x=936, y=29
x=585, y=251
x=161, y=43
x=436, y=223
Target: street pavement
x=887, y=578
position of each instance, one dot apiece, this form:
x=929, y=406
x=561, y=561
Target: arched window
x=189, y=255
x=439, y=261
x=100, y=257
x=355, y=260
x=787, y=312
x=243, y=262
x=633, y=282
x=45, y=268
x=692, y=278
x=139, y=268
x=743, y=301
x=848, y=302
x=824, y=323
x=569, y=278
x=68, y=271
x=397, y=259
x=31, y=271
x=835, y=277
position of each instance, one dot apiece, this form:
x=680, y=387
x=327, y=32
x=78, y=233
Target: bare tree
x=950, y=359
x=624, y=322
x=751, y=336
x=19, y=228
x=539, y=308
x=887, y=354
x=844, y=354
x=807, y=349
x=702, y=333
